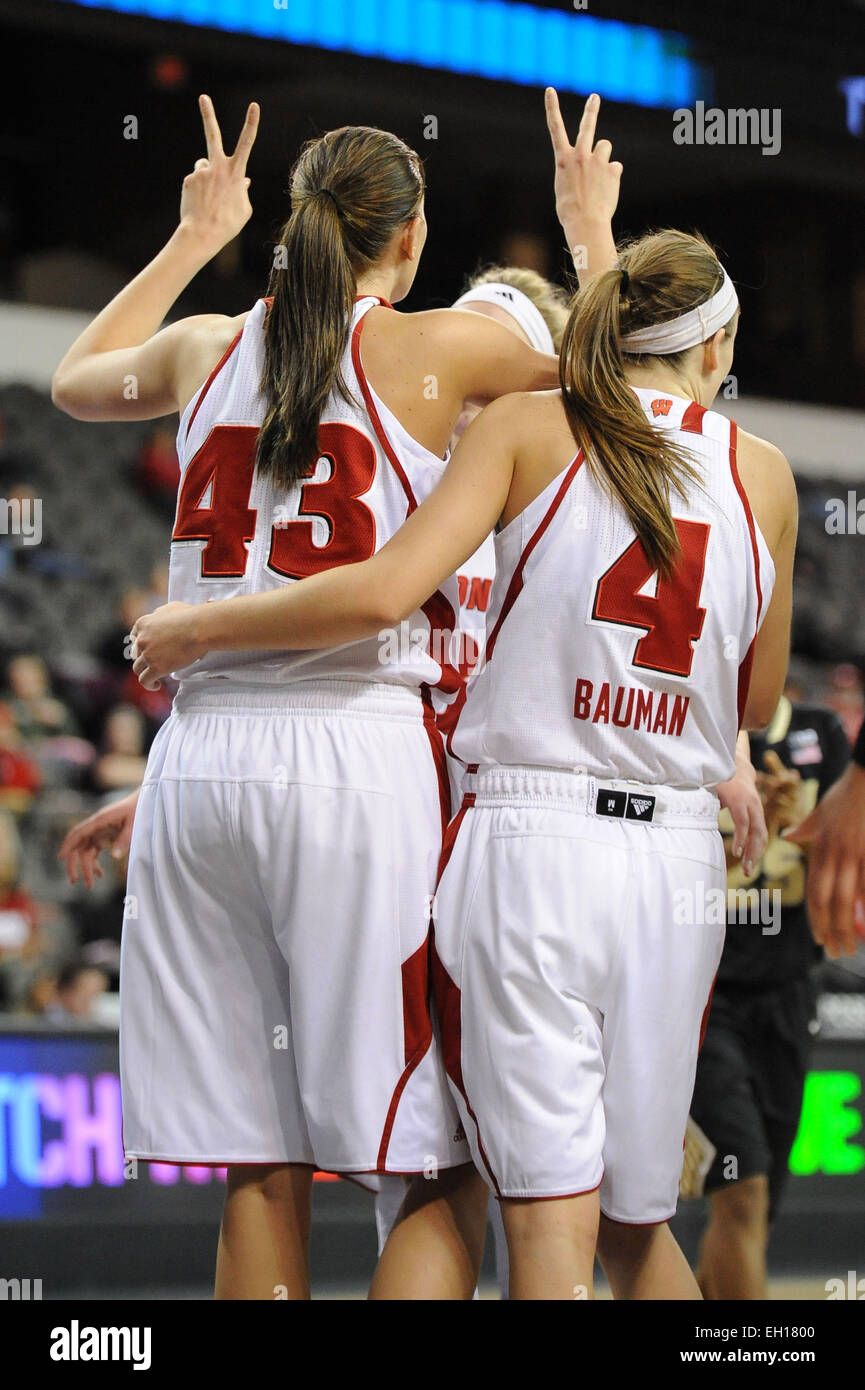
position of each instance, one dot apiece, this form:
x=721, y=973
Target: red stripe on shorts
x=440, y=759
x=448, y=998
x=448, y=1002
x=417, y=1031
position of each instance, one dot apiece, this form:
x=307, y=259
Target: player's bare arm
x=351, y=602
x=122, y=367
x=427, y=365
x=484, y=360
x=771, y=489
x=587, y=184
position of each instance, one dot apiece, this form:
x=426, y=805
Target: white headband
x=689, y=329
x=520, y=308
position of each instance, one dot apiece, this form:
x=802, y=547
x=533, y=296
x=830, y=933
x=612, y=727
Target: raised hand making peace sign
x=215, y=202
x=586, y=186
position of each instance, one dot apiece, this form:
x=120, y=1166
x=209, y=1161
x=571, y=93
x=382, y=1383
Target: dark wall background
x=792, y=227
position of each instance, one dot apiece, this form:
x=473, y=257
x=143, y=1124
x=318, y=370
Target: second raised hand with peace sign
x=587, y=183
x=214, y=204
x=124, y=366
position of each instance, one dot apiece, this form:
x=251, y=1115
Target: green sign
x=827, y=1126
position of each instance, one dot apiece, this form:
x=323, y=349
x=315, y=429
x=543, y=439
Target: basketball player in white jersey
x=274, y=979
x=640, y=616
x=536, y=310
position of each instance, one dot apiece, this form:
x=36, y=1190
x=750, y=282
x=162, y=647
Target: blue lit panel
x=574, y=52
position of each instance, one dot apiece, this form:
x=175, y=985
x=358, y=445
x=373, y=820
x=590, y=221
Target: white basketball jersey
x=475, y=586
x=593, y=662
x=236, y=532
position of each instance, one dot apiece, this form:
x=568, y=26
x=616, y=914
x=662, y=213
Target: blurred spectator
x=525, y=249
x=41, y=993
x=844, y=694
x=34, y=936
x=121, y=764
x=99, y=916
x=36, y=710
x=158, y=581
x=20, y=527
x=20, y=778
x=113, y=650
x=155, y=705
x=18, y=926
x=77, y=992
x=46, y=726
x=158, y=471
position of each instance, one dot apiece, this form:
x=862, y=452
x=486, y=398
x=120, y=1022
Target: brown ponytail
x=350, y=191
x=659, y=277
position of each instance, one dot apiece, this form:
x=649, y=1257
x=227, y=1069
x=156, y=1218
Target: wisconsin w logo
x=661, y=407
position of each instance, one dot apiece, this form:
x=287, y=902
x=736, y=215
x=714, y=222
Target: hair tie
x=626, y=280
x=328, y=193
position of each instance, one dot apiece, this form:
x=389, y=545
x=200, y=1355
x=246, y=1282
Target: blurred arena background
x=94, y=146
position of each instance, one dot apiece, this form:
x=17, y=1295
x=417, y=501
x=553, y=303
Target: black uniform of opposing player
x=752, y=1067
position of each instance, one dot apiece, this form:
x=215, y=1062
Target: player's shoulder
x=524, y=413
x=204, y=338
x=443, y=323
x=203, y=341
x=766, y=474
x=214, y=330
x=754, y=453
x=424, y=330
x=457, y=327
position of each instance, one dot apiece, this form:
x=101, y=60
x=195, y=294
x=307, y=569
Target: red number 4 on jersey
x=672, y=618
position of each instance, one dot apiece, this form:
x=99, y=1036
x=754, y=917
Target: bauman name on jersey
x=634, y=707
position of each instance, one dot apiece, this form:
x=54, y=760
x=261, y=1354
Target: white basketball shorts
x=576, y=941
x=274, y=974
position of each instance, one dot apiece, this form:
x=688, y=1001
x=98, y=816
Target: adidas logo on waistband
x=624, y=805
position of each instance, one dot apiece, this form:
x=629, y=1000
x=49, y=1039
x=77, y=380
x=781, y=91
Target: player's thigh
x=354, y=835
x=527, y=918
x=669, y=956
x=204, y=989
x=348, y=864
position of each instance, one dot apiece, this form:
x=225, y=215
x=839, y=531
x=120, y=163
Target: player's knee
x=571, y=1219
x=618, y=1240
x=270, y=1181
x=454, y=1185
